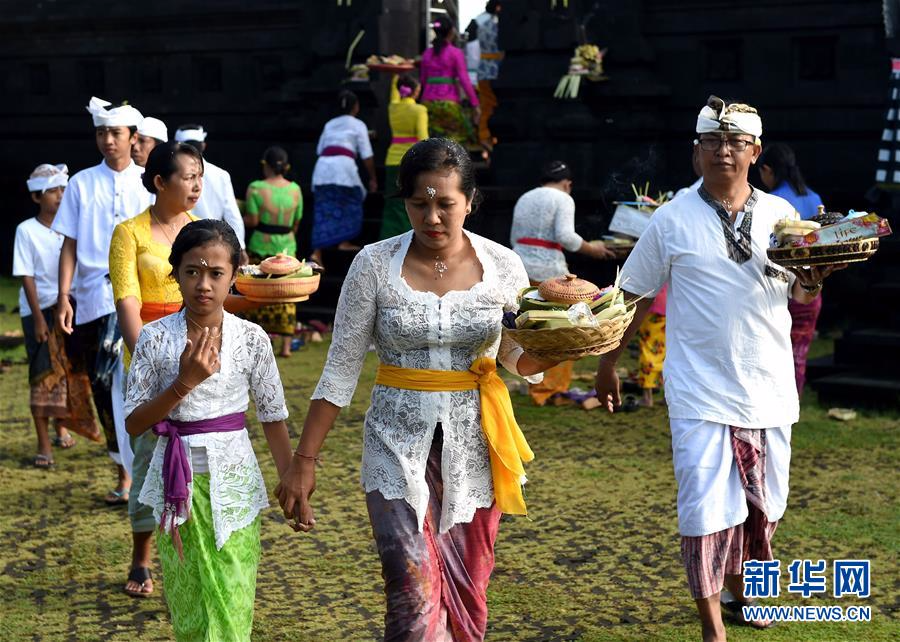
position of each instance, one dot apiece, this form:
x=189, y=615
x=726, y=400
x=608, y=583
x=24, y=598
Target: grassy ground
x=598, y=559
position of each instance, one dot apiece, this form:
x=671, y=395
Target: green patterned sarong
x=211, y=593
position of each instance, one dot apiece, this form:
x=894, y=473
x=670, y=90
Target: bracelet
x=297, y=453
x=809, y=289
x=179, y=382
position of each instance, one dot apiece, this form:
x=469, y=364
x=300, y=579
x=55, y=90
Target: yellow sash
x=506, y=443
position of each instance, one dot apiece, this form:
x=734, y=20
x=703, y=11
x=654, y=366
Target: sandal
x=43, y=461
x=116, y=498
x=140, y=575
x=64, y=442
x=734, y=609
x=630, y=404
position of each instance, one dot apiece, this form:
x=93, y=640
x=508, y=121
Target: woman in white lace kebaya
x=189, y=381
x=442, y=455
x=543, y=226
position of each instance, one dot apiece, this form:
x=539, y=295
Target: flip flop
x=121, y=498
x=64, y=442
x=43, y=461
x=140, y=575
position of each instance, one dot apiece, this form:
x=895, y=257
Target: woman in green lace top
x=272, y=213
x=274, y=208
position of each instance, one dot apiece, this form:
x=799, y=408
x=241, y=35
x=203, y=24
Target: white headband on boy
x=48, y=176
x=196, y=135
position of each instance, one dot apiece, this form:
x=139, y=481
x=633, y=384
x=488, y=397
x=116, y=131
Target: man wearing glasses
x=729, y=367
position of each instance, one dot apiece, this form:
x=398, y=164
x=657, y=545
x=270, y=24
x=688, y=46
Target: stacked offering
x=391, y=64
x=828, y=238
x=567, y=318
x=278, y=279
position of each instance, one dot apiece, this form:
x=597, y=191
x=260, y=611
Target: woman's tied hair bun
x=347, y=100
x=555, y=171
x=277, y=159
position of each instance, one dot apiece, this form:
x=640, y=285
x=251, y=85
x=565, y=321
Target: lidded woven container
x=568, y=289
x=824, y=218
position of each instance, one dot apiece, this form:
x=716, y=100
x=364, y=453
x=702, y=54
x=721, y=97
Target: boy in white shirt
x=56, y=392
x=97, y=199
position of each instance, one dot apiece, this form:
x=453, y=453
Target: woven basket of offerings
x=849, y=239
x=567, y=318
x=392, y=64
x=278, y=279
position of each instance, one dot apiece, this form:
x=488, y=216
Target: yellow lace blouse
x=139, y=265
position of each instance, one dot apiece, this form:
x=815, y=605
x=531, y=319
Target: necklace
x=163, y=227
x=201, y=328
x=439, y=268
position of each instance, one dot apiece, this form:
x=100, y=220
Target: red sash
x=550, y=245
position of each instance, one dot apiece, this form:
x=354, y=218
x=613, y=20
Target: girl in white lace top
x=429, y=300
x=189, y=381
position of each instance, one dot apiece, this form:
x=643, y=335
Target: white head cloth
x=154, y=128
x=197, y=135
x=737, y=118
x=46, y=176
x=124, y=116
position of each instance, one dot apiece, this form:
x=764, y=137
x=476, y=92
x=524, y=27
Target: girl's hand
x=198, y=362
x=41, y=330
x=294, y=490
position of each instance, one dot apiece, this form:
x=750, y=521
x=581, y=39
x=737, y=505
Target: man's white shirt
x=728, y=347
x=217, y=199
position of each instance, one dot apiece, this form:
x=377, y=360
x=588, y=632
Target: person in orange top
x=144, y=291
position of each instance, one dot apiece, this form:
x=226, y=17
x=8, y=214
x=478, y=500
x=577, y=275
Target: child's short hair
x=204, y=232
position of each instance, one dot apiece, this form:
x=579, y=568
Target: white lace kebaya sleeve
x=143, y=382
x=265, y=380
x=354, y=321
x=513, y=281
x=564, y=224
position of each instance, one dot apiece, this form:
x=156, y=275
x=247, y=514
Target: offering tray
x=827, y=254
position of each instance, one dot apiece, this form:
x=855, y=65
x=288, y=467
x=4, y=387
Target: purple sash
x=176, y=468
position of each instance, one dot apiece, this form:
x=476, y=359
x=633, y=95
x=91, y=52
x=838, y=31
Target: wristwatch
x=809, y=289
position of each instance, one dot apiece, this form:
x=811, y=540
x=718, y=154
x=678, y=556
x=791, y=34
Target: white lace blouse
x=416, y=329
x=236, y=488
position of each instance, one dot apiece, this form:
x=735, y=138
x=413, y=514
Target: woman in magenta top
x=443, y=71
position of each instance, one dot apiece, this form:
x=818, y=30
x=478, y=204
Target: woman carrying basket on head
x=442, y=454
x=443, y=72
x=409, y=125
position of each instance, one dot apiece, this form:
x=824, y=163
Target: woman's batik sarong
x=435, y=583
x=337, y=214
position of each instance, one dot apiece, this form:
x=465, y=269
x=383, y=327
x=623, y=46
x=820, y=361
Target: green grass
x=597, y=559
x=9, y=320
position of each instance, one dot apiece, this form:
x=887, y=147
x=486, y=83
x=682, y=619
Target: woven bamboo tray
x=830, y=254
x=569, y=344
x=277, y=290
